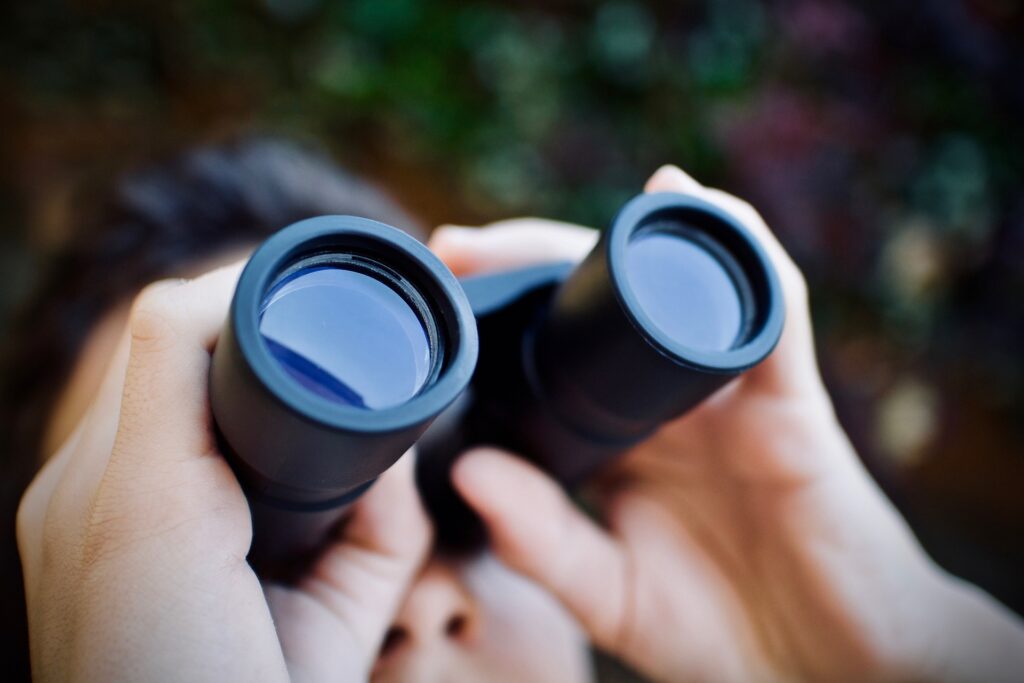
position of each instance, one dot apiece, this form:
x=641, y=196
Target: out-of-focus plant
x=881, y=141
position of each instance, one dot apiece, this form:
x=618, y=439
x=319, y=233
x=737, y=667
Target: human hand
x=134, y=535
x=744, y=541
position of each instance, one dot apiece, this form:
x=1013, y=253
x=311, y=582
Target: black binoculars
x=348, y=342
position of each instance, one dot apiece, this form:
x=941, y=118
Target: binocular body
x=566, y=364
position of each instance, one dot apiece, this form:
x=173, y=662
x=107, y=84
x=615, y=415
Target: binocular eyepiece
x=347, y=338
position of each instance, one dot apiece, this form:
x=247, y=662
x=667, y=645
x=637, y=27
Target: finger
x=98, y=429
x=362, y=576
x=34, y=504
x=510, y=244
x=60, y=499
x=536, y=530
x=164, y=406
x=164, y=473
x=791, y=367
x=65, y=489
x=390, y=519
x=674, y=179
x=72, y=475
x=671, y=178
x=356, y=587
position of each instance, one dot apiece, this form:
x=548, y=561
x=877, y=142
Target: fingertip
x=671, y=178
x=456, y=247
x=512, y=495
x=448, y=235
x=481, y=475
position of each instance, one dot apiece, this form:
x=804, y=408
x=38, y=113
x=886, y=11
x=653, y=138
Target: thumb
x=536, y=530
x=510, y=244
x=791, y=367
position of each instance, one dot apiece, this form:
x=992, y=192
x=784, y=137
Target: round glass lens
x=346, y=336
x=685, y=290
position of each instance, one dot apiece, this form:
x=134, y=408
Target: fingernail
x=669, y=173
x=455, y=232
x=670, y=177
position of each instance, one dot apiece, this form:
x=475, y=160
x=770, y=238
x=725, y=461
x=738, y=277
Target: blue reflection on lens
x=346, y=336
x=685, y=290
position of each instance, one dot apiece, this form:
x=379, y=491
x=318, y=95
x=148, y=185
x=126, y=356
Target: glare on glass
x=685, y=290
x=346, y=336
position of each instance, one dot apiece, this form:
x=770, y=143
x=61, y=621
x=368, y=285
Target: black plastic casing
x=604, y=375
x=302, y=458
x=572, y=372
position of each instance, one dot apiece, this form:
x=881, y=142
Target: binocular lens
x=691, y=289
x=581, y=362
x=345, y=339
x=350, y=333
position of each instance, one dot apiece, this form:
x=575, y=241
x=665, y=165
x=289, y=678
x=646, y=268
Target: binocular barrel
x=578, y=364
x=675, y=300
x=347, y=338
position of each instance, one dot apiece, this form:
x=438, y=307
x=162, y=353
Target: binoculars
x=348, y=342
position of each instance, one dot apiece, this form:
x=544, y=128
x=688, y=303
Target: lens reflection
x=684, y=289
x=346, y=336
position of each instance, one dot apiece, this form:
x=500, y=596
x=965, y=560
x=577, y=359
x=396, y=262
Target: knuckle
x=744, y=207
x=26, y=520
x=740, y=208
x=153, y=319
x=750, y=216
x=795, y=282
x=110, y=531
x=172, y=508
x=42, y=529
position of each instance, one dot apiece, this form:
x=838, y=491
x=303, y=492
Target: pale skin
x=133, y=537
x=743, y=542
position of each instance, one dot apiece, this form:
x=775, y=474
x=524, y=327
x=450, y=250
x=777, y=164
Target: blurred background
x=881, y=141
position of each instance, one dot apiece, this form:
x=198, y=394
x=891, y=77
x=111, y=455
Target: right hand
x=133, y=537
x=744, y=541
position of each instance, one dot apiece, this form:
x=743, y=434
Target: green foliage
x=881, y=153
